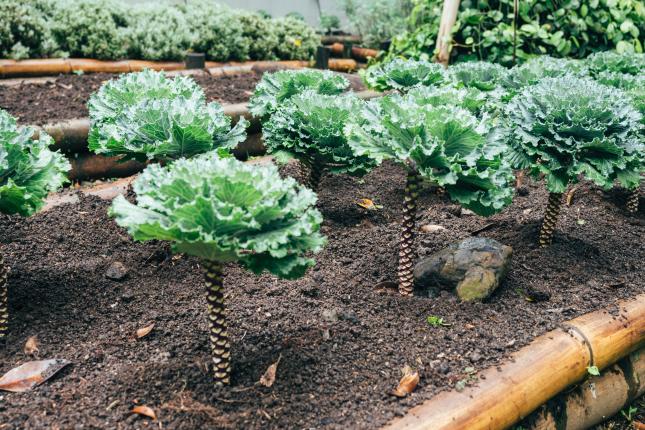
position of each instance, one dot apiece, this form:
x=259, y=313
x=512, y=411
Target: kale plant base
x=4, y=308
x=632, y=200
x=550, y=219
x=407, y=254
x=218, y=328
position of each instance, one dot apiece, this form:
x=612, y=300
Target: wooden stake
x=444, y=38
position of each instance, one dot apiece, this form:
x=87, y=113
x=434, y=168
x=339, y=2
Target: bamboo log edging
x=358, y=53
x=535, y=374
x=594, y=401
x=55, y=66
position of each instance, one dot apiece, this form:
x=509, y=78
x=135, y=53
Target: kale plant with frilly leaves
x=612, y=61
x=28, y=172
x=535, y=69
x=222, y=210
x=147, y=115
x=445, y=144
x=310, y=127
x=276, y=88
x=402, y=75
x=569, y=127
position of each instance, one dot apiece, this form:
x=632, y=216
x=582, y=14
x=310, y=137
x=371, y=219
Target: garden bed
x=341, y=332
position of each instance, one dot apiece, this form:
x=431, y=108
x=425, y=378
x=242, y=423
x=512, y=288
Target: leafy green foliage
x=377, y=21
x=311, y=126
x=276, y=88
x=593, y=370
x=436, y=321
x=329, y=23
x=223, y=210
x=446, y=144
x=566, y=127
x=484, y=30
x=90, y=28
x=112, y=29
x=531, y=72
x=611, y=61
x=158, y=33
x=400, y=74
x=482, y=75
x=149, y=116
x=470, y=99
x=296, y=40
x=28, y=169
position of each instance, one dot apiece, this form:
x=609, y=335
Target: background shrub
x=158, y=33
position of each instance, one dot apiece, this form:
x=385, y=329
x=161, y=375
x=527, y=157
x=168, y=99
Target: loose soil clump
x=343, y=332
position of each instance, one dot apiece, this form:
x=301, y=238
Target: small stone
x=522, y=191
x=475, y=267
x=330, y=315
x=117, y=271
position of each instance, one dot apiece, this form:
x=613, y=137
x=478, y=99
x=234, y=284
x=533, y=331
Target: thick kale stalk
x=218, y=327
x=550, y=219
x=221, y=210
x=445, y=144
x=407, y=250
x=4, y=307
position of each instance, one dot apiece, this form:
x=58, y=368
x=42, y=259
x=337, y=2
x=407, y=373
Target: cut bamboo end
x=536, y=373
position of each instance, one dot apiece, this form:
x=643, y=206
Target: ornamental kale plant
x=535, y=69
x=445, y=144
x=569, y=127
x=482, y=75
x=221, y=210
x=28, y=171
x=611, y=61
x=146, y=115
x=310, y=128
x=634, y=87
x=401, y=75
x=276, y=88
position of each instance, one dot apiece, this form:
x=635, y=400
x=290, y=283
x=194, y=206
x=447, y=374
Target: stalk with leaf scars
x=28, y=172
x=310, y=127
x=437, y=141
x=407, y=250
x=221, y=210
x=632, y=200
x=567, y=128
x=550, y=219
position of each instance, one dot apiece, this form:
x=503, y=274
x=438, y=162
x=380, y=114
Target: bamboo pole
x=92, y=166
x=595, y=400
x=536, y=373
x=444, y=38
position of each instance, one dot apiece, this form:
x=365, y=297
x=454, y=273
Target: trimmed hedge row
x=111, y=30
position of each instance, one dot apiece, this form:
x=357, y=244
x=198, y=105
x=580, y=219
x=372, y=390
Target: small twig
x=484, y=228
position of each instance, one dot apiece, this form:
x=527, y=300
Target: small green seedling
x=436, y=321
x=593, y=370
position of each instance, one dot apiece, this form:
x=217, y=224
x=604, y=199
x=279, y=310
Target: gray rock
x=475, y=267
x=117, y=271
x=330, y=315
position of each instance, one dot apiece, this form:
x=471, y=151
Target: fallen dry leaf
x=144, y=410
x=269, y=376
x=638, y=425
x=31, y=374
x=408, y=382
x=367, y=204
x=570, y=195
x=31, y=346
x=145, y=331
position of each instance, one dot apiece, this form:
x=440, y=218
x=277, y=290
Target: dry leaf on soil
x=368, y=204
x=431, y=228
x=269, y=376
x=31, y=346
x=408, y=382
x=146, y=411
x=570, y=194
x=143, y=332
x=638, y=425
x=31, y=374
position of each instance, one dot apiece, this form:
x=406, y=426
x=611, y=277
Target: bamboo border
x=536, y=373
x=55, y=66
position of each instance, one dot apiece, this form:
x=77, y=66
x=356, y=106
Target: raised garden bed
x=343, y=334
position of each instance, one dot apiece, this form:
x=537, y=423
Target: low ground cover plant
x=567, y=128
x=310, y=127
x=146, y=115
x=114, y=29
x=402, y=75
x=445, y=144
x=222, y=211
x=28, y=171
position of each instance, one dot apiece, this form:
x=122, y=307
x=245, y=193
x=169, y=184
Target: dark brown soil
x=67, y=96
x=332, y=374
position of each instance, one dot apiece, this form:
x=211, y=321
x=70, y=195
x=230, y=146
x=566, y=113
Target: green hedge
x=484, y=29
x=112, y=29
